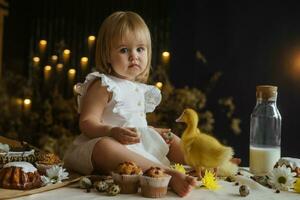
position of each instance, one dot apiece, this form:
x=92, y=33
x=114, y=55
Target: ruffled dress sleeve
x=82, y=88
x=152, y=98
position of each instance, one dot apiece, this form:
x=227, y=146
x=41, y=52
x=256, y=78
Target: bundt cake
x=19, y=175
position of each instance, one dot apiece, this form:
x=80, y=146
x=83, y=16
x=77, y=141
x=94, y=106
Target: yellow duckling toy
x=202, y=150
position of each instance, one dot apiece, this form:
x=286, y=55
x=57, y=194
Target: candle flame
x=27, y=101
x=48, y=68
x=59, y=66
x=43, y=42
x=36, y=59
x=72, y=71
x=91, y=38
x=84, y=59
x=67, y=51
x=54, y=57
x=166, y=54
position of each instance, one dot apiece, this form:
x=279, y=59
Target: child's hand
x=166, y=134
x=125, y=135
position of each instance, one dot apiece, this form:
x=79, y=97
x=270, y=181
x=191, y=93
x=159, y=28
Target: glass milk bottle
x=265, y=131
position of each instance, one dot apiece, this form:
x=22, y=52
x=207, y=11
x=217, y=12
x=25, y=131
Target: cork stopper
x=266, y=92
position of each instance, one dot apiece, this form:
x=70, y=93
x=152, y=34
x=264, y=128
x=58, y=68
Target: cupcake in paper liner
x=154, y=183
x=127, y=177
x=46, y=161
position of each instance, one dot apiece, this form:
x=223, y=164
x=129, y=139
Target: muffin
x=127, y=177
x=46, y=161
x=154, y=182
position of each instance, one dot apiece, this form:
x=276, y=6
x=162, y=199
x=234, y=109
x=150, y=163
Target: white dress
x=128, y=107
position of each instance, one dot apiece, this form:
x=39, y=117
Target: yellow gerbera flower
x=297, y=185
x=179, y=168
x=209, y=181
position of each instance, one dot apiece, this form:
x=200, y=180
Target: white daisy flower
x=56, y=174
x=281, y=178
x=45, y=180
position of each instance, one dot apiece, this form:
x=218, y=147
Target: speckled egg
x=85, y=183
x=101, y=186
x=113, y=190
x=109, y=181
x=244, y=190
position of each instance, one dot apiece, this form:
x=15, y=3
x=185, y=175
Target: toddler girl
x=112, y=104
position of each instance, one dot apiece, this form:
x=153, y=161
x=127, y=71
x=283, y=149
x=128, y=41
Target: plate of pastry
x=16, y=154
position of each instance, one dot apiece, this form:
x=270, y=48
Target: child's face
x=128, y=57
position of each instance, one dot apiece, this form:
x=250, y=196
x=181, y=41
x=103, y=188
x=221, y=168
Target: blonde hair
x=117, y=26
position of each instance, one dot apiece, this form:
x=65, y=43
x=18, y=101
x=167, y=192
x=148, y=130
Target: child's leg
x=175, y=153
x=112, y=153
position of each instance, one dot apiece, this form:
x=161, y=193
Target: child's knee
x=105, y=145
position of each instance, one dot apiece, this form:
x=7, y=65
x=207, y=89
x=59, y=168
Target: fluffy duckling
x=202, y=150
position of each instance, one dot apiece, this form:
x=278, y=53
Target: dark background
x=251, y=43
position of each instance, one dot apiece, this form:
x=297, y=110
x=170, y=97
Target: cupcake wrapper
x=129, y=184
x=155, y=182
x=153, y=192
x=154, y=187
x=125, y=178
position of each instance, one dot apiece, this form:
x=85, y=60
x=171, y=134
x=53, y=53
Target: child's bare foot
x=180, y=183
